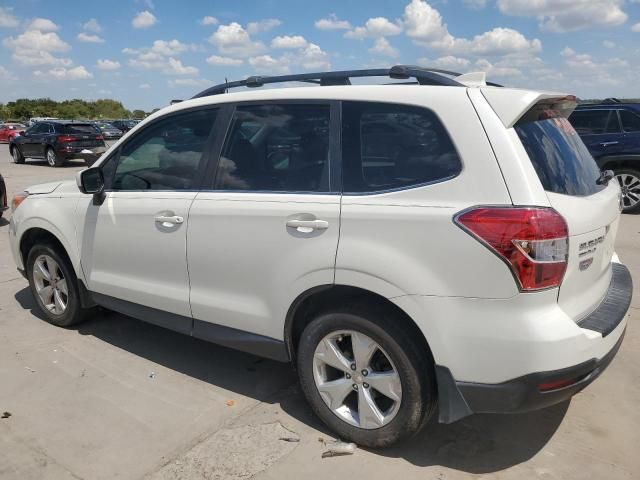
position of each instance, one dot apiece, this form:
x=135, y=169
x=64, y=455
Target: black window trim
x=417, y=185
x=206, y=154
x=632, y=112
x=335, y=148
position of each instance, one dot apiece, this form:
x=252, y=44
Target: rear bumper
x=526, y=393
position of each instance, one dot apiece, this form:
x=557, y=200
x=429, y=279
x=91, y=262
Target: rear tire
x=53, y=159
x=408, y=361
x=54, y=286
x=16, y=155
x=629, y=181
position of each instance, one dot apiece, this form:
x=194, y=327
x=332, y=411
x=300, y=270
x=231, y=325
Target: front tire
x=54, y=285
x=53, y=159
x=16, y=155
x=629, y=181
x=366, y=376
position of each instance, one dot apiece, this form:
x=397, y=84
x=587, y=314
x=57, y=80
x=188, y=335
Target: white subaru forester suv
x=436, y=242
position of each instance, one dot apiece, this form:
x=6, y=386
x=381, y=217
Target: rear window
x=595, y=122
x=560, y=158
x=80, y=128
x=388, y=146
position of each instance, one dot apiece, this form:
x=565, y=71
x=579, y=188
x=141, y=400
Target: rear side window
x=630, y=121
x=80, y=129
x=560, y=158
x=388, y=146
x=595, y=122
x=276, y=148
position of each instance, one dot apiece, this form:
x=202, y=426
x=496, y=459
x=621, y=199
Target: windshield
x=560, y=158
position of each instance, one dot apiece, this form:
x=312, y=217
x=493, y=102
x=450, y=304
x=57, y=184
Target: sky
x=147, y=52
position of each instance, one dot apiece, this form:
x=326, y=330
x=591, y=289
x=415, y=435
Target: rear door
x=569, y=176
x=600, y=131
x=267, y=228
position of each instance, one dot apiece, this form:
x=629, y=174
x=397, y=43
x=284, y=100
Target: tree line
x=25, y=108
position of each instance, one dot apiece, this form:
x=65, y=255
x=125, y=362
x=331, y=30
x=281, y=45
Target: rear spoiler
x=512, y=105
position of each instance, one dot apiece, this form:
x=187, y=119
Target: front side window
x=630, y=121
x=276, y=148
x=388, y=146
x=166, y=155
x=595, y=122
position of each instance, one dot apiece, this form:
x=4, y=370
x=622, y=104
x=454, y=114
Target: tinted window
x=166, y=155
x=388, y=146
x=630, y=121
x=80, y=129
x=560, y=158
x=279, y=148
x=595, y=122
x=39, y=128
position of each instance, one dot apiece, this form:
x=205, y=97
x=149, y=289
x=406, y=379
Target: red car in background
x=10, y=130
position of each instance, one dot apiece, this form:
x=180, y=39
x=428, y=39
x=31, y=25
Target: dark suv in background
x=611, y=132
x=58, y=141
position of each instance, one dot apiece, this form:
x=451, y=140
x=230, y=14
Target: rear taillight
x=66, y=139
x=99, y=137
x=532, y=241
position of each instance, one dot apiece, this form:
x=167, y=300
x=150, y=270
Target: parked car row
x=10, y=130
x=57, y=141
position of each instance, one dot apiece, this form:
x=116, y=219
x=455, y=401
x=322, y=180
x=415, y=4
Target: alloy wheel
x=357, y=379
x=630, y=187
x=50, y=284
x=51, y=157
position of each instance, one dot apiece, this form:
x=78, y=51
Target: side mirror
x=90, y=181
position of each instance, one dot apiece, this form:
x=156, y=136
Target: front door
x=133, y=247
x=268, y=228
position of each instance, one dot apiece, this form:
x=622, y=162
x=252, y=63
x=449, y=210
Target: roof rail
x=423, y=75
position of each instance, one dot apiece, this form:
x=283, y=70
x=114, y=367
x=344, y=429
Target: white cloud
x=609, y=44
x=175, y=67
x=217, y=60
x=496, y=70
x=332, y=22
x=384, y=48
x=144, y=86
x=107, y=64
x=62, y=73
x=375, y=28
x=144, y=19
x=169, y=48
x=34, y=48
x=209, y=20
x=635, y=28
x=567, y=52
x=88, y=38
x=286, y=41
x=584, y=70
x=425, y=26
x=7, y=20
x=268, y=64
x=235, y=41
x=311, y=57
x=92, y=26
x=104, y=91
x=448, y=62
x=6, y=74
x=43, y=24
x=263, y=25
x=567, y=15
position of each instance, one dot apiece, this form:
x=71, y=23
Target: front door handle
x=174, y=220
x=607, y=144
x=307, y=226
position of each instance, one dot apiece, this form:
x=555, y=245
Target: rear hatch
x=570, y=177
x=81, y=135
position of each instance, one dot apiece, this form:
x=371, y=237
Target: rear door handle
x=174, y=220
x=606, y=144
x=307, y=225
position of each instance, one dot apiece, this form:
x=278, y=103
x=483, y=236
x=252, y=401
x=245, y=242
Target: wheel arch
x=622, y=161
x=315, y=300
